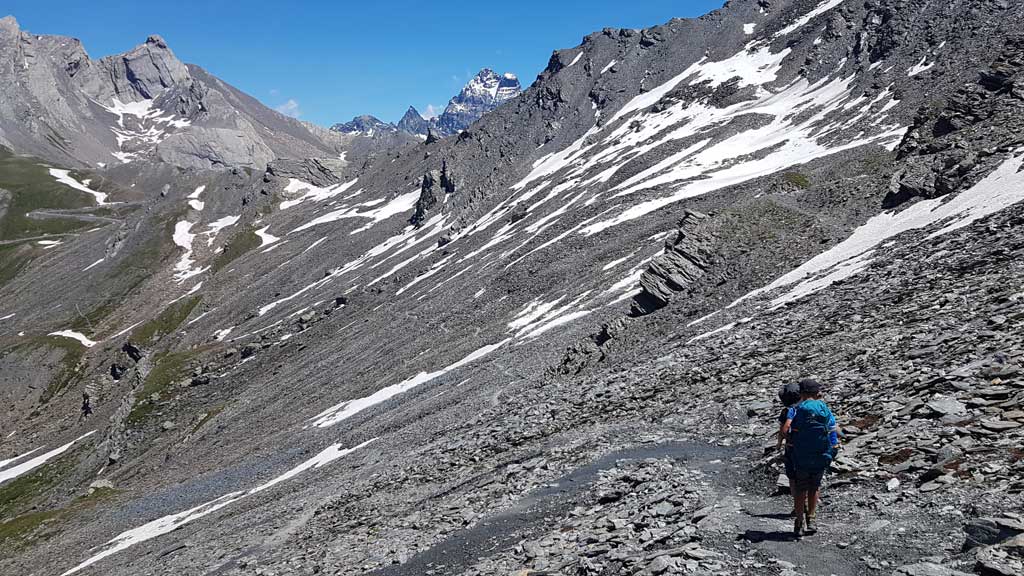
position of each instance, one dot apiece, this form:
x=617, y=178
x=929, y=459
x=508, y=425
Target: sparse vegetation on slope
x=168, y=368
x=166, y=322
x=241, y=243
x=31, y=187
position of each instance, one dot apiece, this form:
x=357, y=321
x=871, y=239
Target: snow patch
x=64, y=177
x=19, y=469
x=803, y=20
x=149, y=129
x=216, y=226
x=711, y=333
x=75, y=336
x=266, y=239
x=712, y=167
x=4, y=463
x=349, y=408
x=172, y=522
x=398, y=205
x=183, y=238
x=920, y=67
x=538, y=317
x=193, y=199
x=1002, y=188
x=311, y=192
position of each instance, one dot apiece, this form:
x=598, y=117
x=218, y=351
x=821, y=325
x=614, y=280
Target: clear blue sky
x=334, y=60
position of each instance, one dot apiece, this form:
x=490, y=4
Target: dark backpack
x=810, y=449
x=789, y=394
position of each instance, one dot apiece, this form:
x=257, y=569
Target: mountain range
x=550, y=342
x=482, y=94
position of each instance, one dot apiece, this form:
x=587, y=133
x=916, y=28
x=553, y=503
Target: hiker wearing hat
x=813, y=438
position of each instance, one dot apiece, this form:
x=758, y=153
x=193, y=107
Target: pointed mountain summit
x=485, y=92
x=146, y=70
x=413, y=122
x=482, y=94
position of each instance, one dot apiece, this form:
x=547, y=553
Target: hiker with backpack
x=789, y=394
x=812, y=441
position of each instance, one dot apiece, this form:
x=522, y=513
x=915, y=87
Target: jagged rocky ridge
x=324, y=385
x=482, y=94
x=59, y=104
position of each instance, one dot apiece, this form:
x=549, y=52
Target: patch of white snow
x=75, y=336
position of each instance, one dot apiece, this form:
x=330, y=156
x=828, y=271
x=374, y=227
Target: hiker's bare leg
x=799, y=500
x=812, y=502
x=798, y=505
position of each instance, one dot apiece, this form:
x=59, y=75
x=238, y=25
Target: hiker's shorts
x=806, y=480
x=787, y=463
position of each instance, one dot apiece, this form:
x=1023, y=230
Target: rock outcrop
x=957, y=143
x=686, y=259
x=435, y=188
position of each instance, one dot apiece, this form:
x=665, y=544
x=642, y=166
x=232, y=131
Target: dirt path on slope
x=32, y=238
x=746, y=526
x=532, y=513
x=80, y=214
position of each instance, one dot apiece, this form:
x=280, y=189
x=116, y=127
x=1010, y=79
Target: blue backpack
x=811, y=449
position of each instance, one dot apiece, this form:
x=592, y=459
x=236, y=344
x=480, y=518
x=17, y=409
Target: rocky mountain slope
x=550, y=344
x=481, y=95
x=144, y=104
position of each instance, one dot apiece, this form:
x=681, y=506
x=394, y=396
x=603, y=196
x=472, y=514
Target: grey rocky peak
x=482, y=94
x=413, y=122
x=365, y=125
x=143, y=104
x=143, y=73
x=485, y=92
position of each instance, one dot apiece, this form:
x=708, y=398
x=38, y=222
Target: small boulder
x=133, y=351
x=102, y=483
x=986, y=532
x=117, y=371
x=946, y=406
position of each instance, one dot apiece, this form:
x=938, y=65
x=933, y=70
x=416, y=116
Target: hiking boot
x=812, y=524
x=798, y=526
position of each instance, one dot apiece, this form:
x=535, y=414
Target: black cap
x=810, y=386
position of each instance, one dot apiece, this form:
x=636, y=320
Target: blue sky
x=329, y=61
